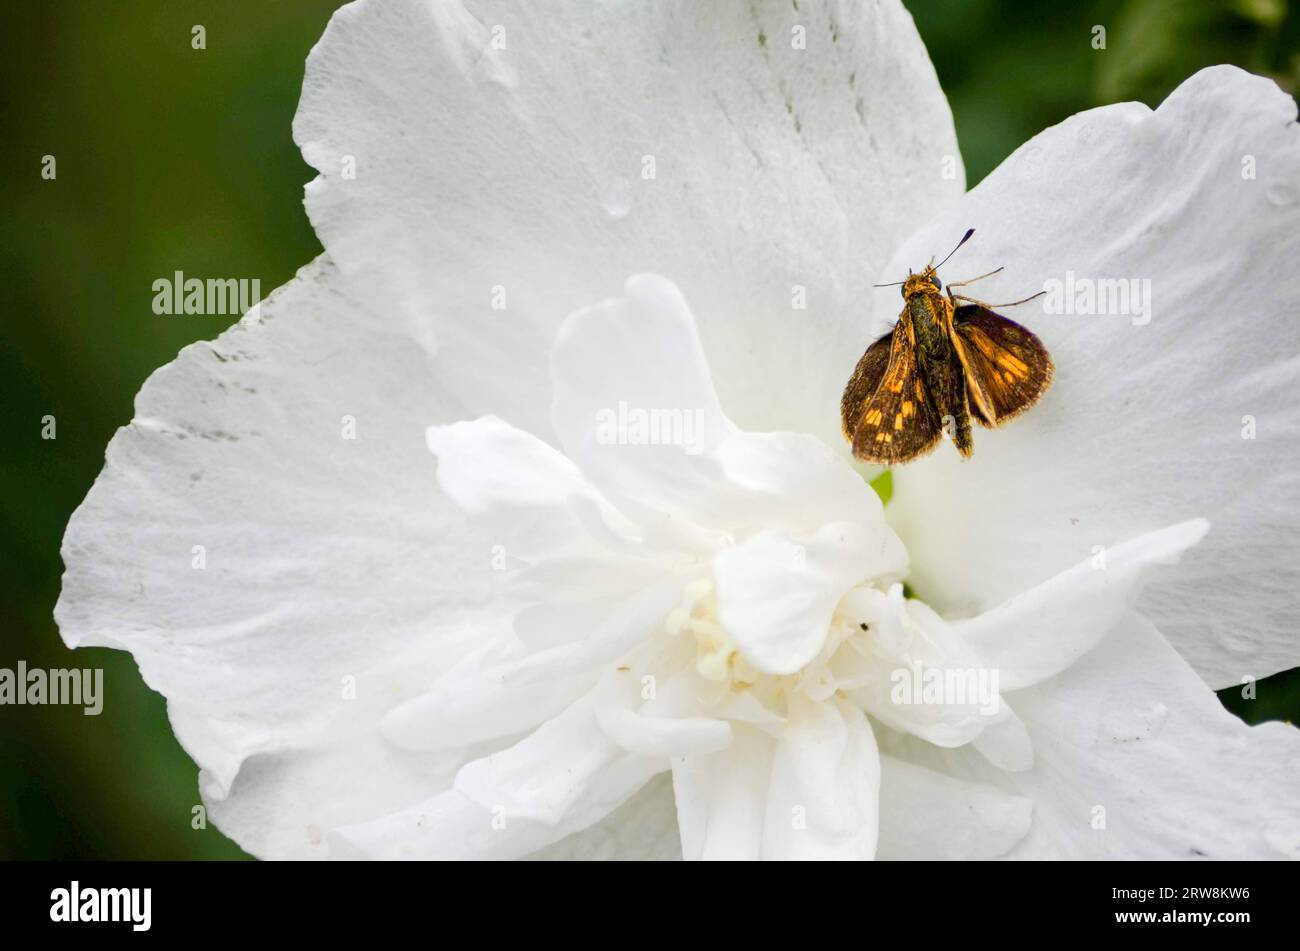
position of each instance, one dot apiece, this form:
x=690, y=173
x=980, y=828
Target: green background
x=175, y=159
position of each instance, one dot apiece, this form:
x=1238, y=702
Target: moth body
x=939, y=367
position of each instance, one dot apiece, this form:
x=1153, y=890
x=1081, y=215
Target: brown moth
x=943, y=363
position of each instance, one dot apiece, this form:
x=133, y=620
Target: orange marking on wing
x=1013, y=363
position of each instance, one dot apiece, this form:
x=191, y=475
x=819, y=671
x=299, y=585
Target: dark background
x=175, y=159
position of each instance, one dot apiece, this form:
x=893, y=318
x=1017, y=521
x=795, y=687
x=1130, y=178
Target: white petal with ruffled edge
x=564, y=777
x=1041, y=632
x=1135, y=758
x=453, y=171
x=1143, y=426
x=518, y=487
x=329, y=565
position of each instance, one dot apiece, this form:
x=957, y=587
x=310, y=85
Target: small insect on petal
x=961, y=362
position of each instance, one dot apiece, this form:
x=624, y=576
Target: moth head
x=927, y=282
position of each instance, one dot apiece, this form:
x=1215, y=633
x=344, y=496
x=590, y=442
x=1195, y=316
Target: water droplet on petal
x=1234, y=642
x=1281, y=193
x=618, y=199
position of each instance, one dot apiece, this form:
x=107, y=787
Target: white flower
x=733, y=613
x=352, y=672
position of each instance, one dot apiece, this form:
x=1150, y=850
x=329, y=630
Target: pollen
x=716, y=658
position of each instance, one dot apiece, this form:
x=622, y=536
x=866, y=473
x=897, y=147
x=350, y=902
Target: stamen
x=716, y=657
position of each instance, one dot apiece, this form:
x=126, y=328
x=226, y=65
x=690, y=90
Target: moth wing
x=1007, y=367
x=864, y=382
x=894, y=424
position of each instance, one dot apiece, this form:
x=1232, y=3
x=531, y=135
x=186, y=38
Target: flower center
x=716, y=658
x=855, y=644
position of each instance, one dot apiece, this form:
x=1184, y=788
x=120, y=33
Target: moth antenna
x=972, y=280
x=1013, y=303
x=1023, y=301
x=896, y=283
x=964, y=239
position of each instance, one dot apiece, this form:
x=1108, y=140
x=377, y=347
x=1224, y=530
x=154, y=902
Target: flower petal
x=518, y=487
x=776, y=595
x=281, y=583
x=1006, y=744
x=915, y=674
x=603, y=631
x=567, y=765
x=454, y=826
x=472, y=702
x=1039, y=633
x=1144, y=424
x=824, y=799
x=634, y=404
x=643, y=828
x=1136, y=758
x=658, y=729
x=545, y=155
x=926, y=815
x=635, y=408
x=722, y=798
